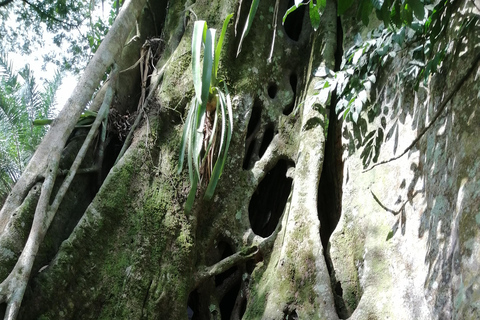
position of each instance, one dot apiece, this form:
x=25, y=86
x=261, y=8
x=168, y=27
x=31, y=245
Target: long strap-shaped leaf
x=199, y=30
x=192, y=146
x=185, y=137
x=226, y=108
x=200, y=115
x=218, y=49
x=208, y=59
x=248, y=24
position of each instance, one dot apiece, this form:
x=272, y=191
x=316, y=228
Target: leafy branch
x=442, y=107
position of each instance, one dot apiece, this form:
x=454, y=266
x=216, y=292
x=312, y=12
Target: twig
x=275, y=15
x=435, y=117
x=47, y=15
x=136, y=36
x=238, y=16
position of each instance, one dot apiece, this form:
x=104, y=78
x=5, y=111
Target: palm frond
x=7, y=75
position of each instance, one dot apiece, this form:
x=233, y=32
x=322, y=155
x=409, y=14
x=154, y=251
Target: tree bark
x=265, y=246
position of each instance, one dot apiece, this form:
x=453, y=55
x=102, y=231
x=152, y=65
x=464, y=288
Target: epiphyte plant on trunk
x=211, y=105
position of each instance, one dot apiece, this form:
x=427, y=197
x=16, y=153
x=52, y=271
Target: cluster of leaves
x=69, y=24
x=403, y=34
x=99, y=28
x=20, y=103
x=200, y=132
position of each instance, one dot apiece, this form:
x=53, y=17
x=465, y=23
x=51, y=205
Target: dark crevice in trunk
x=272, y=90
x=330, y=187
x=290, y=315
x=269, y=200
x=226, y=251
x=227, y=303
x=294, y=22
x=293, y=83
x=193, y=306
x=220, y=291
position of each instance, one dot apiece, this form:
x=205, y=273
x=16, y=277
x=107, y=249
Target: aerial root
x=225, y=264
x=13, y=287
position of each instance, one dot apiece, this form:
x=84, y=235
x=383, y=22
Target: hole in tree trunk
x=293, y=23
x=225, y=250
x=112, y=150
x=293, y=82
x=270, y=198
x=228, y=302
x=290, y=314
x=272, y=90
x=193, y=305
x=243, y=307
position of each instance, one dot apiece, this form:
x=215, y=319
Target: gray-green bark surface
x=255, y=251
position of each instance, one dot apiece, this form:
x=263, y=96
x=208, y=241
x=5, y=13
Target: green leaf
x=364, y=11
x=42, y=122
x=199, y=29
x=395, y=14
x=407, y=14
x=185, y=137
x=226, y=109
x=343, y=5
x=88, y=113
x=390, y=235
x=248, y=24
x=197, y=139
x=86, y=121
x=208, y=60
x=193, y=148
x=314, y=16
x=218, y=49
x=383, y=14
x=321, y=4
x=290, y=10
x=191, y=196
x=418, y=8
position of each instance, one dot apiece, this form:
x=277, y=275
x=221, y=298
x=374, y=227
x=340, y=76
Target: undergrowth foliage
x=20, y=103
x=210, y=105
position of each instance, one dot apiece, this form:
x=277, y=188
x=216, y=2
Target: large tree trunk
x=267, y=246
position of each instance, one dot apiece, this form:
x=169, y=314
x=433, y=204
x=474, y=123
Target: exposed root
x=225, y=264
x=13, y=287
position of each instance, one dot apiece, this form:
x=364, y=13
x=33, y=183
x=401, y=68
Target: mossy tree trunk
x=125, y=249
x=255, y=250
